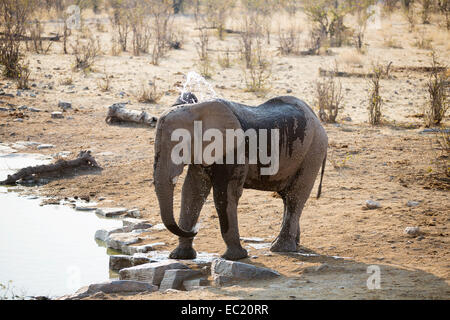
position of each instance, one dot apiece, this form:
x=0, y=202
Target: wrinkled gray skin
x=303, y=149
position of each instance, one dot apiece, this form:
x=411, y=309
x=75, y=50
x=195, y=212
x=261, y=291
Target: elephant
x=302, y=142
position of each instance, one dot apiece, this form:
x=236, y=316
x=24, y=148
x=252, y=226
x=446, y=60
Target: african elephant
x=302, y=148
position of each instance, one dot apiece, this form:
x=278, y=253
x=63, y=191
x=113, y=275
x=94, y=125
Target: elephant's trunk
x=164, y=173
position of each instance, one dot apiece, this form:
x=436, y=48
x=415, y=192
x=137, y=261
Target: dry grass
x=150, y=93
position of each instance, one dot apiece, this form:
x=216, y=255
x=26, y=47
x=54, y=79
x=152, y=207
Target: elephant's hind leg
x=195, y=190
x=294, y=198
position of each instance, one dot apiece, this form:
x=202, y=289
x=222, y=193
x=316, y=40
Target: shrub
x=438, y=99
x=289, y=40
x=14, y=15
x=329, y=99
x=150, y=94
x=327, y=17
x=375, y=100
x=85, y=53
x=258, y=71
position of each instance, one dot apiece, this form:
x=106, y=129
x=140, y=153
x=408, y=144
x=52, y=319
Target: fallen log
x=118, y=113
x=84, y=158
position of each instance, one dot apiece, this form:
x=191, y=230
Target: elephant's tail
x=321, y=176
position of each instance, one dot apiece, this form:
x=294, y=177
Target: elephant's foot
x=183, y=253
x=235, y=254
x=284, y=245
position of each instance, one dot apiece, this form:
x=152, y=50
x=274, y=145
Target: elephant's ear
x=216, y=117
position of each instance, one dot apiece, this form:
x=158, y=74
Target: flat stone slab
x=119, y=241
x=173, y=279
x=142, y=248
x=136, y=223
x=57, y=115
x=64, y=105
x=103, y=234
x=111, y=212
x=194, y=284
x=150, y=272
x=45, y=146
x=114, y=286
x=225, y=271
x=120, y=261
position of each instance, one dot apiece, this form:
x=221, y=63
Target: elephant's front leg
x=228, y=182
x=195, y=190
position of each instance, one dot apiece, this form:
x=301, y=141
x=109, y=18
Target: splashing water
x=198, y=85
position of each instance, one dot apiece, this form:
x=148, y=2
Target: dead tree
x=84, y=159
x=118, y=113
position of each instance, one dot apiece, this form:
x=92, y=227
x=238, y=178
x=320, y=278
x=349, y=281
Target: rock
x=173, y=279
x=136, y=223
x=412, y=203
x=150, y=272
x=412, y=231
x=64, y=105
x=224, y=271
x=18, y=120
x=57, y=115
x=118, y=262
x=143, y=248
x=193, y=284
x=103, y=234
x=111, y=212
x=22, y=108
x=348, y=119
x=289, y=91
x=85, y=207
x=119, y=241
x=159, y=226
x=34, y=109
x=370, y=204
x=115, y=286
x=45, y=146
x=134, y=213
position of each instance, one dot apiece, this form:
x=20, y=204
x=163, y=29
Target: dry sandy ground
x=391, y=163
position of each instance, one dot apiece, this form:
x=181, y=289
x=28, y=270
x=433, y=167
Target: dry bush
x=161, y=12
x=362, y=17
x=438, y=97
x=202, y=45
x=422, y=42
x=443, y=160
x=409, y=13
x=250, y=32
x=104, y=83
x=150, y=93
x=289, y=40
x=140, y=27
x=120, y=22
x=23, y=76
x=85, y=52
x=351, y=57
x=216, y=14
x=329, y=98
x=375, y=100
x=14, y=15
x=391, y=42
x=224, y=59
x=259, y=71
x=427, y=7
x=327, y=18
x=35, y=30
x=444, y=8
